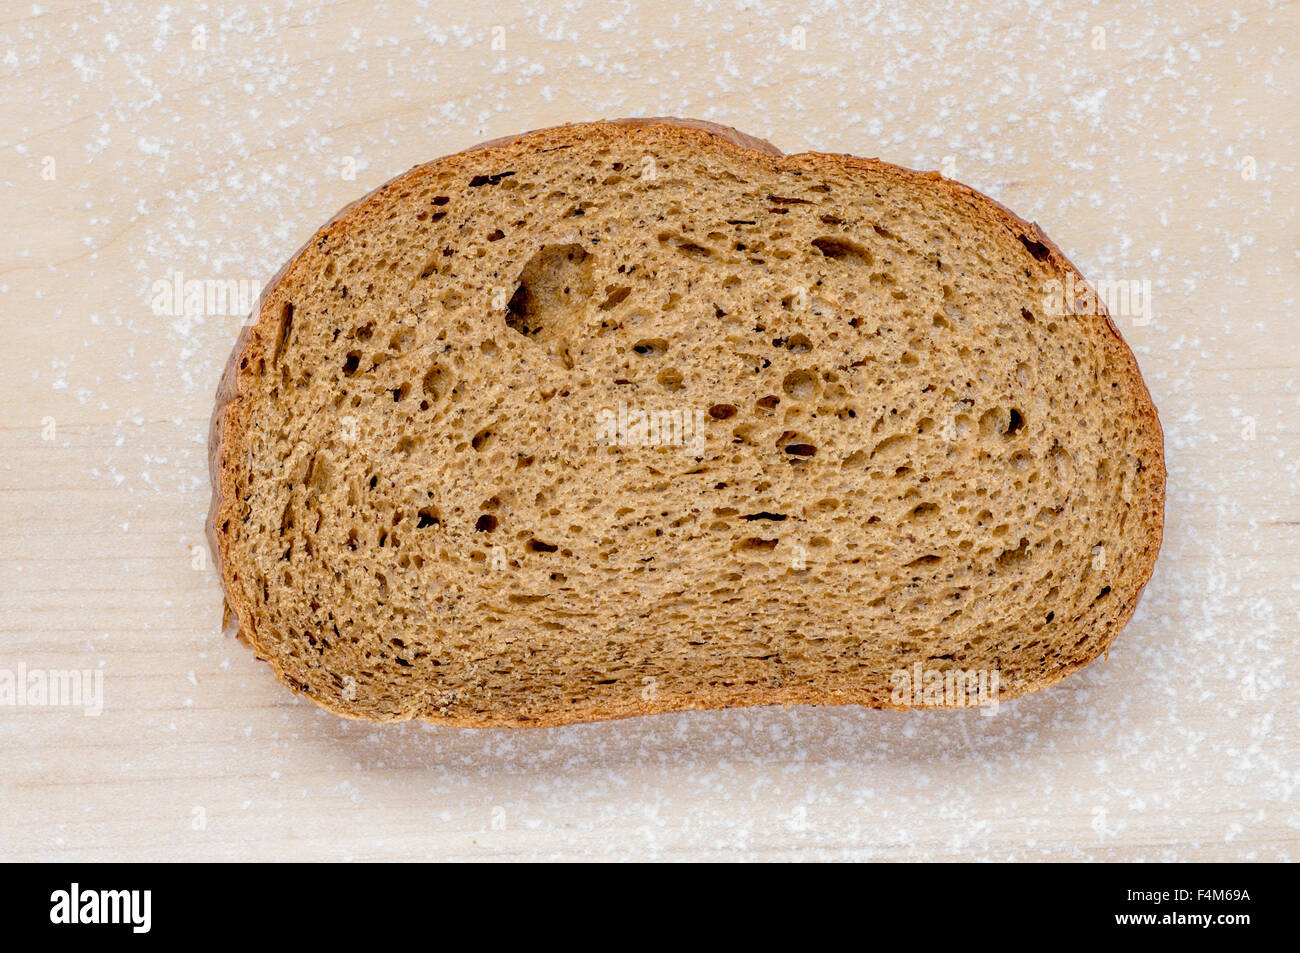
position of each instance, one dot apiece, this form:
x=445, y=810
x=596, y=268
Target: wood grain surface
x=1156, y=144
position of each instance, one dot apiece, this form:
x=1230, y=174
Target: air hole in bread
x=614, y=296
x=492, y=179
x=554, y=284
x=800, y=385
x=1011, y=557
x=1014, y=423
x=843, y=250
x=686, y=247
x=1035, y=248
x=796, y=448
x=670, y=379
x=431, y=383
x=285, y=329
x=651, y=347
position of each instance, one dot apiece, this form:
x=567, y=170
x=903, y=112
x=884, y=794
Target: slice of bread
x=643, y=416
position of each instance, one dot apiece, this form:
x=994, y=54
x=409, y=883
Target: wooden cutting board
x=146, y=149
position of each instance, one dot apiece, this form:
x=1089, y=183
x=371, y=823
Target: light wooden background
x=212, y=139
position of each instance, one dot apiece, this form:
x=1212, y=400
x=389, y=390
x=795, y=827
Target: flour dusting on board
x=160, y=164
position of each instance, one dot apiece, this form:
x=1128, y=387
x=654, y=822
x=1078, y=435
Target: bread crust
x=229, y=418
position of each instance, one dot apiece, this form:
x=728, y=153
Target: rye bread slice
x=630, y=417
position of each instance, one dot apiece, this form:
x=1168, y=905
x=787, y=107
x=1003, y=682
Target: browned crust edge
x=224, y=422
